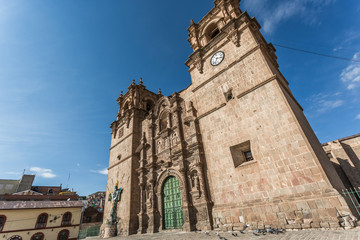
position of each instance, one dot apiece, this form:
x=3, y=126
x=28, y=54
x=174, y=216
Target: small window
x=63, y=235
x=214, y=33
x=248, y=156
x=38, y=236
x=66, y=220
x=229, y=95
x=41, y=221
x=329, y=155
x=149, y=105
x=241, y=153
x=2, y=222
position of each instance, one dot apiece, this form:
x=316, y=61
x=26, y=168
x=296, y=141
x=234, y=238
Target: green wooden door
x=172, y=204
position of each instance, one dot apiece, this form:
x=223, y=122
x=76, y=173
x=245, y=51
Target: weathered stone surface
x=236, y=141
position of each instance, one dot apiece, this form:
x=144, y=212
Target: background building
x=38, y=212
x=39, y=220
x=344, y=154
x=12, y=186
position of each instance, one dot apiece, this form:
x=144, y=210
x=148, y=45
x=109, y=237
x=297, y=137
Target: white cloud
x=351, y=75
x=358, y=116
x=327, y=105
x=338, y=48
x=42, y=172
x=322, y=103
x=102, y=171
x=346, y=39
x=272, y=14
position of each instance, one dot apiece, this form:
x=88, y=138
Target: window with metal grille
x=41, y=221
x=63, y=235
x=38, y=236
x=241, y=153
x=66, y=220
x=2, y=222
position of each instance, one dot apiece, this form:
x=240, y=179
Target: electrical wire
x=316, y=53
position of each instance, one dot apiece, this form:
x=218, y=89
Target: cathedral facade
x=232, y=149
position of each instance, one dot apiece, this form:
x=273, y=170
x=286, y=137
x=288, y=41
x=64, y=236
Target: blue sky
x=64, y=63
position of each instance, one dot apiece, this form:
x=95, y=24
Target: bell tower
x=253, y=130
x=126, y=136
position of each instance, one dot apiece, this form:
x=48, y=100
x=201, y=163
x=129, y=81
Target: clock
x=217, y=58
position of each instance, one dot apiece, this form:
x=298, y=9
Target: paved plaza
x=353, y=234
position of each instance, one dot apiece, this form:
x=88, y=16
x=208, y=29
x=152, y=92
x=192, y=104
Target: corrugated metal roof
x=39, y=204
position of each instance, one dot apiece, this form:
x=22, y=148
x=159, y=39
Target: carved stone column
x=141, y=214
x=150, y=206
x=186, y=202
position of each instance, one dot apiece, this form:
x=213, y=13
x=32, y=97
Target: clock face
x=217, y=58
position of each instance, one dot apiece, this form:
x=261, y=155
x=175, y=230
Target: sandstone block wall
x=344, y=154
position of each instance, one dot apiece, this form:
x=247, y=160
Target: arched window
x=126, y=107
x=2, y=222
x=148, y=107
x=164, y=121
x=212, y=31
x=66, y=220
x=41, y=221
x=38, y=236
x=63, y=235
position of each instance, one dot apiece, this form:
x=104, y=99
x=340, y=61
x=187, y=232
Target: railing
x=65, y=223
x=89, y=232
x=353, y=194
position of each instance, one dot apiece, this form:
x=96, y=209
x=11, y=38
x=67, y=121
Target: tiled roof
x=39, y=204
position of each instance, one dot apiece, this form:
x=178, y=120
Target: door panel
x=172, y=204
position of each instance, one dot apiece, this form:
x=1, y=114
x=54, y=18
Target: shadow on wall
x=350, y=178
x=352, y=155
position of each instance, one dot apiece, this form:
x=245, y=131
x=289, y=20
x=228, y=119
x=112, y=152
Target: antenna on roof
x=24, y=172
x=67, y=185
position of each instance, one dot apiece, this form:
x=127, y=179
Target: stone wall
x=344, y=154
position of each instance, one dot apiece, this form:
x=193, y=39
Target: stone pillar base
x=186, y=227
x=110, y=231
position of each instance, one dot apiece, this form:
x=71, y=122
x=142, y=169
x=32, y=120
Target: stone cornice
x=212, y=110
x=257, y=86
x=120, y=141
x=274, y=77
x=122, y=160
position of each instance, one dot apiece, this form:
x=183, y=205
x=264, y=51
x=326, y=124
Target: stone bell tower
x=264, y=163
x=126, y=134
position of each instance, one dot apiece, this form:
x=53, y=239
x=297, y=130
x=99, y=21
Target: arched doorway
x=172, y=204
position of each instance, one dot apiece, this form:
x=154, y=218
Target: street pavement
x=352, y=234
